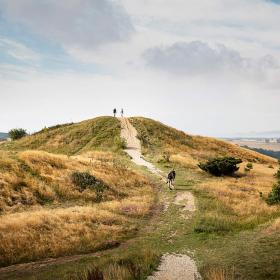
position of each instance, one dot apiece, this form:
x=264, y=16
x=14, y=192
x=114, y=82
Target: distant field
x=258, y=145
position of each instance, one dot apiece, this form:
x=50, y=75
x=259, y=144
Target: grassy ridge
x=101, y=133
x=235, y=233
x=157, y=138
x=43, y=213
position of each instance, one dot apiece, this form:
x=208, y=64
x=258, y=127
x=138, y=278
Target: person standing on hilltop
x=115, y=112
x=122, y=113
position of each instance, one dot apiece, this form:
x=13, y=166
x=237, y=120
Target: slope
x=159, y=140
x=102, y=133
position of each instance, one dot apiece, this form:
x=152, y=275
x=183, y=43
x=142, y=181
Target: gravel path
x=172, y=266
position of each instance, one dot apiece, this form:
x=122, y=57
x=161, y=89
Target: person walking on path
x=115, y=112
x=122, y=113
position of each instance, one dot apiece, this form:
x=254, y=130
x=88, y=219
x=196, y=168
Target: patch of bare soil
x=176, y=267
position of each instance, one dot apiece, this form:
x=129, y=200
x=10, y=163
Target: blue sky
x=208, y=67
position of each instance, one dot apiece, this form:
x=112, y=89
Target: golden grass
x=38, y=178
x=55, y=232
x=217, y=273
x=273, y=228
x=37, y=196
x=242, y=194
x=158, y=138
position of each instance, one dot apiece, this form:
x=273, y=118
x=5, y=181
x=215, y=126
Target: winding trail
x=172, y=266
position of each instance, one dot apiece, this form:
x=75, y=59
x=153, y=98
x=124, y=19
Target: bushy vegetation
x=17, y=133
x=248, y=167
x=221, y=166
x=274, y=195
x=84, y=181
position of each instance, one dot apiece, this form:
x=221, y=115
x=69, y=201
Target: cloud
x=76, y=23
x=198, y=58
x=17, y=51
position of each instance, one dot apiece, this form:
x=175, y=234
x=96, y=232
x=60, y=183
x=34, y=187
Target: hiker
x=122, y=112
x=115, y=112
x=171, y=178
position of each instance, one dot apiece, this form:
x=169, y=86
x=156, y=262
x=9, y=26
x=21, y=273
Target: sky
x=205, y=67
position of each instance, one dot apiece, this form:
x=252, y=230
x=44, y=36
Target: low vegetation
x=17, y=133
x=102, y=133
x=274, y=195
x=221, y=166
x=234, y=234
x=232, y=212
x=54, y=205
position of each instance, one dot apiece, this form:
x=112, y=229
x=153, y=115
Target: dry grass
x=218, y=273
x=273, y=228
x=39, y=178
x=102, y=133
x=158, y=138
x=37, y=195
x=56, y=232
x=242, y=194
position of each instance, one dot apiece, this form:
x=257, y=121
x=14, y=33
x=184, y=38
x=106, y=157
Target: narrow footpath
x=172, y=266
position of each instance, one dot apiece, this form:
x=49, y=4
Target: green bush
x=84, y=181
x=221, y=166
x=249, y=165
x=17, y=133
x=274, y=195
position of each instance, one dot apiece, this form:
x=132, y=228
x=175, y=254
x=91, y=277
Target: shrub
x=17, y=133
x=221, y=166
x=274, y=195
x=84, y=181
x=249, y=165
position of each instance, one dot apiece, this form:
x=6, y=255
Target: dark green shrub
x=84, y=181
x=249, y=165
x=274, y=195
x=17, y=133
x=221, y=166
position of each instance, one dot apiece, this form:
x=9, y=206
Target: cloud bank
x=78, y=23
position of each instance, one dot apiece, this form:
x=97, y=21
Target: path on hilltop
x=172, y=266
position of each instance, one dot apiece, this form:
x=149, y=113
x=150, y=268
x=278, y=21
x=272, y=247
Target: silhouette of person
x=115, y=112
x=122, y=112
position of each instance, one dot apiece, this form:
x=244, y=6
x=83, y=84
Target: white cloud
x=78, y=23
x=198, y=58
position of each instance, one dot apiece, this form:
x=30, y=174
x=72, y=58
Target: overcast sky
x=206, y=67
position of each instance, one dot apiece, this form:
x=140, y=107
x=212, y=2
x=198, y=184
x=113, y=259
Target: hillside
x=70, y=190
x=157, y=138
x=67, y=190
x=102, y=133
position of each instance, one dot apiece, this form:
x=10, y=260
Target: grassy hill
x=45, y=212
x=235, y=233
x=50, y=208
x=102, y=133
x=157, y=139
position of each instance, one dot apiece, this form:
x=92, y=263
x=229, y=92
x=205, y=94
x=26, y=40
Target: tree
x=17, y=133
x=221, y=166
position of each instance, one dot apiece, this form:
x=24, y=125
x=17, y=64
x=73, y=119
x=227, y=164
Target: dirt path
x=172, y=266
x=133, y=146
